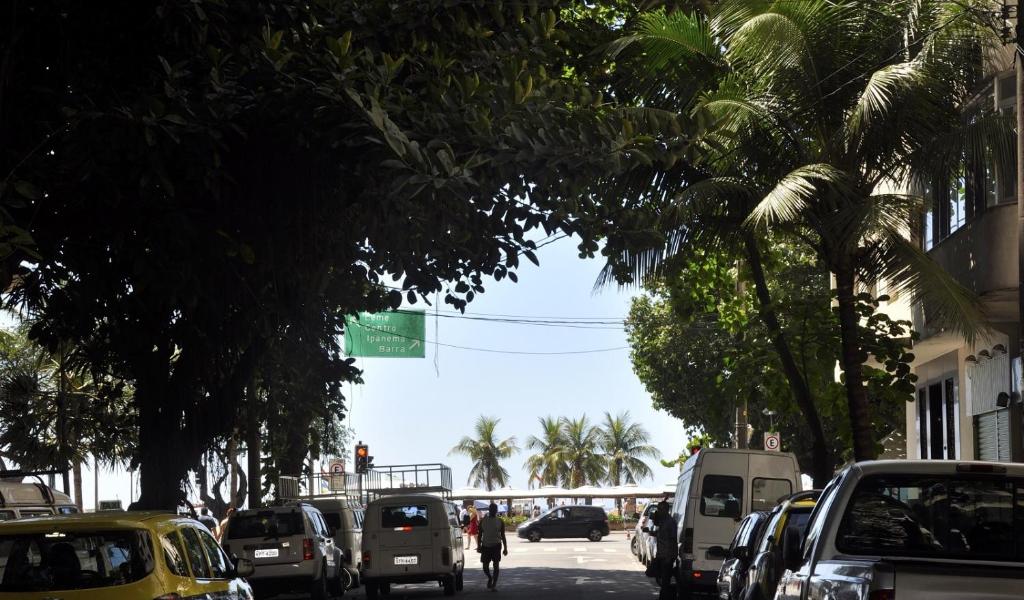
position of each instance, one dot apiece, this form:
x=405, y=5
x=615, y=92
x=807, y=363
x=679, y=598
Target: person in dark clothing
x=206, y=519
x=667, y=547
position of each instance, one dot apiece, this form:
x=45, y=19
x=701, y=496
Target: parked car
x=590, y=522
x=344, y=517
x=736, y=559
x=757, y=577
x=291, y=547
x=411, y=538
x=124, y=555
x=643, y=541
x=716, y=488
x=913, y=530
x=20, y=499
x=767, y=566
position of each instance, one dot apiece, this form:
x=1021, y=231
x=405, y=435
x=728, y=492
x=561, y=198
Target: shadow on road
x=539, y=583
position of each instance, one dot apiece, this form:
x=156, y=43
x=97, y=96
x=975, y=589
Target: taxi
x=790, y=518
x=122, y=555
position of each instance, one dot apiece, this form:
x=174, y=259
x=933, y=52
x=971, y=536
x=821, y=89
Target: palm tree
x=547, y=466
x=625, y=445
x=487, y=452
x=584, y=463
x=817, y=111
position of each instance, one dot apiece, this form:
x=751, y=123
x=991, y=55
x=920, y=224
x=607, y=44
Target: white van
x=344, y=517
x=20, y=499
x=717, y=488
x=411, y=538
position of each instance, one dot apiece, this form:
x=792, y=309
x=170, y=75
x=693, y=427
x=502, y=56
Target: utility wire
x=493, y=350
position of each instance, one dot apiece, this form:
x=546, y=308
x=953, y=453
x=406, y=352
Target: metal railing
x=418, y=478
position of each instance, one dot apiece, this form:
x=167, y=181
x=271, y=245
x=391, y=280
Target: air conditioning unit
x=287, y=487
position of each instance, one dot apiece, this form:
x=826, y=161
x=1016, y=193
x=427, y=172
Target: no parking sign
x=772, y=442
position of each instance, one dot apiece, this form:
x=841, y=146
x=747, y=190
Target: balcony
x=981, y=255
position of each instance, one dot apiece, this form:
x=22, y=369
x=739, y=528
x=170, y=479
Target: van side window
x=359, y=516
x=722, y=496
x=333, y=520
x=765, y=493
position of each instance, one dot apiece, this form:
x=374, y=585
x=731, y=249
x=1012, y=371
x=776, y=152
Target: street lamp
x=771, y=418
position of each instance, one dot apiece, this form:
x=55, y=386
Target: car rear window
x=928, y=516
x=404, y=516
x=73, y=560
x=765, y=493
x=265, y=523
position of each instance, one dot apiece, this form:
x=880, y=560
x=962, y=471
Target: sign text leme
x=397, y=334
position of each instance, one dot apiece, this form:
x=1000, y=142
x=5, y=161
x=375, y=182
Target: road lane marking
x=611, y=550
x=551, y=549
x=580, y=549
x=582, y=560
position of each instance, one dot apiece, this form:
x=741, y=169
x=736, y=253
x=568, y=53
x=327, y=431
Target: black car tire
x=534, y=536
x=595, y=535
x=319, y=589
x=385, y=589
x=371, y=591
x=449, y=585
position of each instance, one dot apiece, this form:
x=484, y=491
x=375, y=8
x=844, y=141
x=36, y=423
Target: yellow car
x=116, y=556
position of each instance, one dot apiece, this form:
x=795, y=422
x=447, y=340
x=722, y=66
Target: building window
x=938, y=419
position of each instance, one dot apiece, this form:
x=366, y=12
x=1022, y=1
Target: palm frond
x=793, y=193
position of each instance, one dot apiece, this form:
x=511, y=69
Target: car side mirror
x=716, y=553
x=791, y=554
x=244, y=568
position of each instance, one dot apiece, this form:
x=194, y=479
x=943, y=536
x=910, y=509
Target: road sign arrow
x=414, y=344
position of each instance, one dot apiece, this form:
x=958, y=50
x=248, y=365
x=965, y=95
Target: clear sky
x=408, y=412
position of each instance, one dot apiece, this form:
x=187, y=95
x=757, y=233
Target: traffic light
x=362, y=457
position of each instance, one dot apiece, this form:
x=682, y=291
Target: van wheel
x=342, y=582
x=449, y=585
x=594, y=535
x=459, y=584
x=534, y=536
x=371, y=591
x=385, y=588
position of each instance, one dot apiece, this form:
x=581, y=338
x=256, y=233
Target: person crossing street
x=493, y=544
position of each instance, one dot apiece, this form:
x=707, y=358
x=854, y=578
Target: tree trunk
x=161, y=466
x=853, y=363
x=233, y=466
x=254, y=447
x=76, y=471
x=822, y=467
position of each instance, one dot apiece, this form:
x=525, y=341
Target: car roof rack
x=426, y=478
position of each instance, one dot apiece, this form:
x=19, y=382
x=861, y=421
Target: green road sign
x=397, y=334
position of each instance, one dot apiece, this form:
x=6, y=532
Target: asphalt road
x=549, y=570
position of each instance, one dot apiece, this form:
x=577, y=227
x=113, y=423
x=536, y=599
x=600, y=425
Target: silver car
x=292, y=548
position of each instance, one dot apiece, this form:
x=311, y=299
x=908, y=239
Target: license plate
x=266, y=553
x=407, y=560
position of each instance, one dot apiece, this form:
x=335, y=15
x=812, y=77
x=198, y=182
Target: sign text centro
x=397, y=334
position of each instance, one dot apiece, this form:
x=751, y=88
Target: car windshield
x=928, y=516
x=404, y=516
x=73, y=560
x=265, y=524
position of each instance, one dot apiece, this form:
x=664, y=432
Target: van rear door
x=406, y=539
x=720, y=499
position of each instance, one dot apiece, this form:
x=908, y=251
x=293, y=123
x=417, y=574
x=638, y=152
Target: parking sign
x=772, y=442
x=337, y=470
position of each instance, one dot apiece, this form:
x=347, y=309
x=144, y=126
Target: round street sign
x=337, y=471
x=772, y=442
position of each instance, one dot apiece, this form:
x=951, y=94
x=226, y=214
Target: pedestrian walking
x=222, y=530
x=207, y=519
x=493, y=545
x=536, y=511
x=667, y=548
x=473, y=529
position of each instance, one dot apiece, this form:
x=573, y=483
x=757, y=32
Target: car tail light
x=366, y=559
x=697, y=575
x=446, y=556
x=882, y=595
x=307, y=549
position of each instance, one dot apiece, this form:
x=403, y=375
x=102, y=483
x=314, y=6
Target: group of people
x=489, y=533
